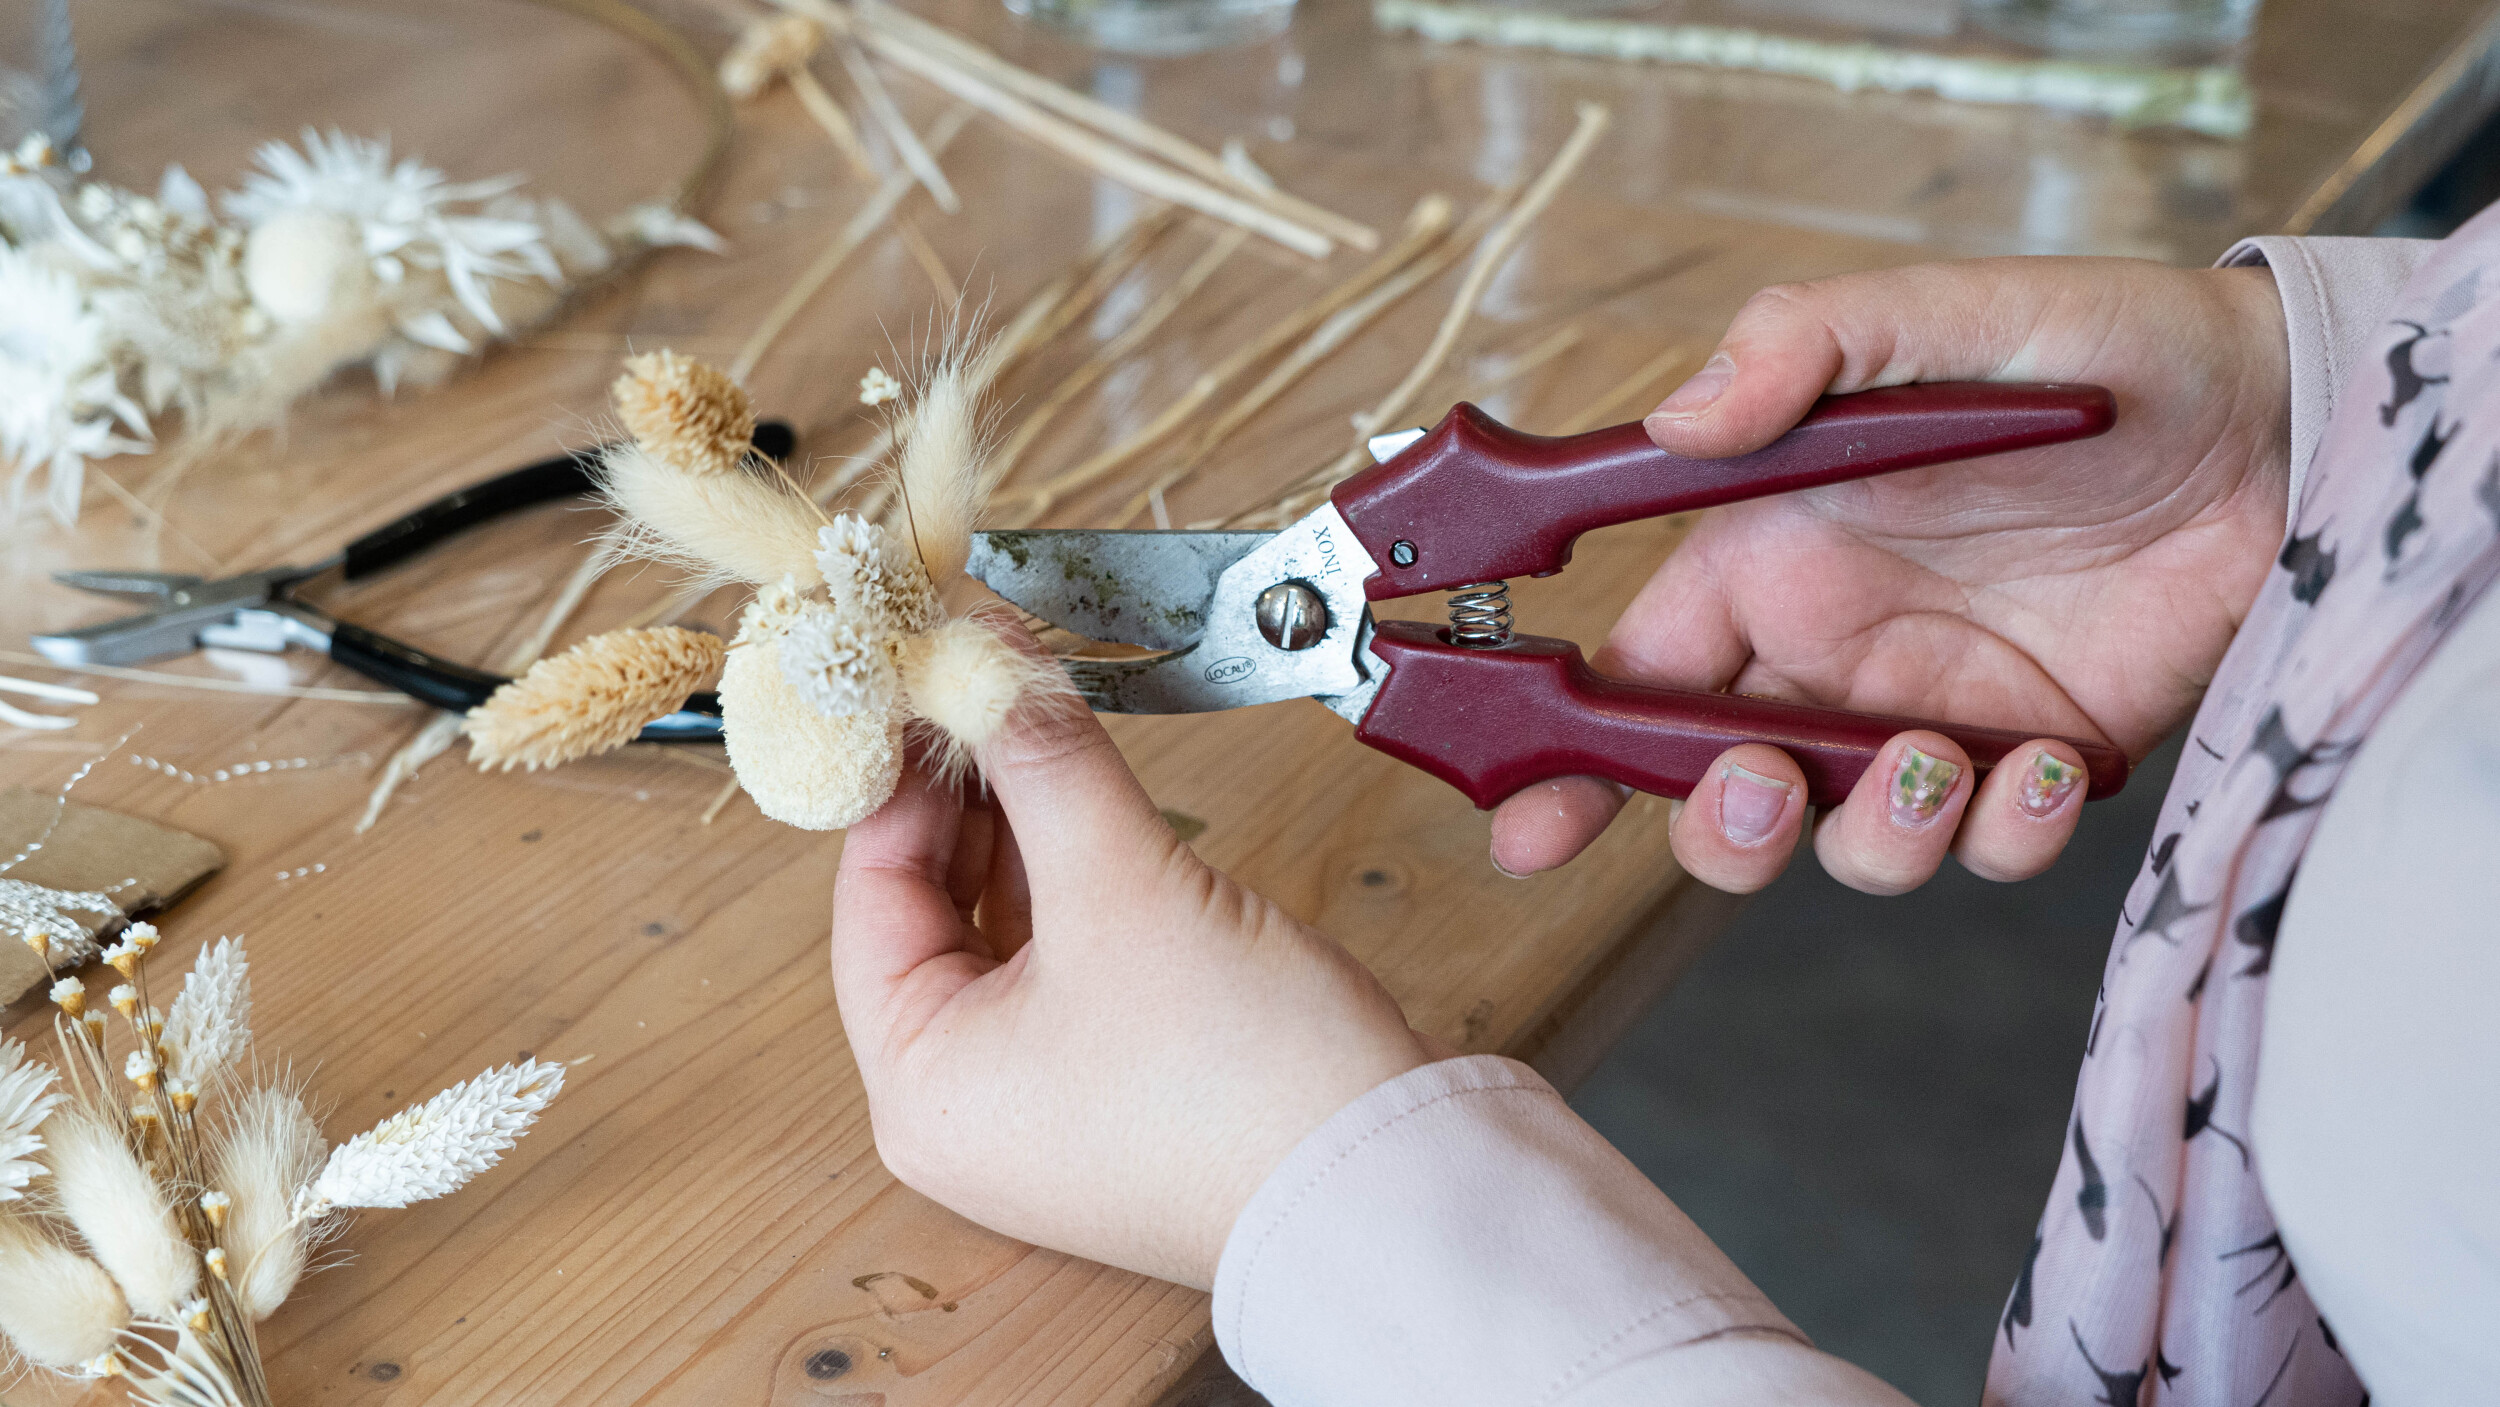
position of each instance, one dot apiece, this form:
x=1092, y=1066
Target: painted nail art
x=2046, y=785
x=1920, y=786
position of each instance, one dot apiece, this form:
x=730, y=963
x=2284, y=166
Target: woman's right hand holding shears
x=2085, y=589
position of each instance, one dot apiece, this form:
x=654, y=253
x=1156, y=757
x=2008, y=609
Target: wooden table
x=702, y=1218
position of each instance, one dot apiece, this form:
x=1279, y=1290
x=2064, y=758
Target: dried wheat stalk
x=1123, y=345
x=853, y=234
x=1592, y=121
x=1425, y=226
x=886, y=23
x=1340, y=328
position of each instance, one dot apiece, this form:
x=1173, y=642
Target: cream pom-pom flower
x=803, y=767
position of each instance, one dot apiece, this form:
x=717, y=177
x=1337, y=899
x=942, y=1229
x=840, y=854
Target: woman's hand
x=2086, y=589
x=1071, y=1029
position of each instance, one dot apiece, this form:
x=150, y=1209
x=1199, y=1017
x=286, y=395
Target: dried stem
x=1120, y=348
x=1050, y=312
x=1340, y=328
x=1488, y=261
x=389, y=697
x=984, y=87
x=830, y=116
x=1624, y=394
x=855, y=233
x=886, y=24
x=1425, y=226
x=907, y=145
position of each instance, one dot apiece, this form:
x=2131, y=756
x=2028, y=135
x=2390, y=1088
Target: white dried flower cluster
x=878, y=387
x=211, y=1020
x=873, y=579
x=436, y=1147
x=26, y=1098
x=117, y=308
x=836, y=666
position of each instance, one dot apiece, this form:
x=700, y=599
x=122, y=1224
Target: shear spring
x=1480, y=615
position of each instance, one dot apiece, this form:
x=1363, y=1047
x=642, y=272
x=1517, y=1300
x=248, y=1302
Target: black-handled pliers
x=258, y=610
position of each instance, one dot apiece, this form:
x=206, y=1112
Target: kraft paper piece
x=143, y=865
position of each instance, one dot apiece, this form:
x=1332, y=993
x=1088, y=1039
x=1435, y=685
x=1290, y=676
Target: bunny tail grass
x=120, y=1212
x=270, y=1152
x=965, y=679
x=943, y=465
x=58, y=1309
x=732, y=526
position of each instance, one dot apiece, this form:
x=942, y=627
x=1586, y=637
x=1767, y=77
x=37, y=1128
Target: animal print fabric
x=2157, y=1275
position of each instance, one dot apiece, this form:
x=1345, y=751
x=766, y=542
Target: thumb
x=1789, y=344
x=1067, y=792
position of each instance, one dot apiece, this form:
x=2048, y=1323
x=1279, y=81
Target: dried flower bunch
x=155, y=1207
x=847, y=641
x=119, y=309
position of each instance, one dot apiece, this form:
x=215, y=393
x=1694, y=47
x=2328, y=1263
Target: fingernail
x=1920, y=786
x=1506, y=871
x=1700, y=388
x=2047, y=785
x=1750, y=805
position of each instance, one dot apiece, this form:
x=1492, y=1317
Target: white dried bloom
x=70, y=995
x=801, y=767
x=26, y=1099
x=124, y=957
x=60, y=401
x=125, y=999
x=425, y=255
x=872, y=579
x=837, y=667
x=878, y=387
x=140, y=1068
x=436, y=1147
x=212, y=1018
x=215, y=1206
x=143, y=936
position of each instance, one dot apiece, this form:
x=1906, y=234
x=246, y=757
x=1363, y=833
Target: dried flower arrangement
x=119, y=309
x=847, y=641
x=155, y=1209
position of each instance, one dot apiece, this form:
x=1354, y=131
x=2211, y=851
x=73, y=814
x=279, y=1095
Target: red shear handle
x=1477, y=501
x=1490, y=722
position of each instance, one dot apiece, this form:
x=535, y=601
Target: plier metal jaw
x=1239, y=618
x=258, y=610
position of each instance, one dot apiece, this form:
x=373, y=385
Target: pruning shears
x=259, y=610
x=1240, y=618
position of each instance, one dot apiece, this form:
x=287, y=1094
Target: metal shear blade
x=1197, y=597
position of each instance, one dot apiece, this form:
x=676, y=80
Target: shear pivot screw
x=1402, y=553
x=1292, y=616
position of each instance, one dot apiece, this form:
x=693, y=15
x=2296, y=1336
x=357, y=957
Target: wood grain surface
x=702, y=1217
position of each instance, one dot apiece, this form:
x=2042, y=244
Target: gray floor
x=1862, y=1099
